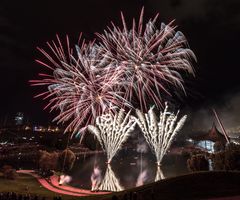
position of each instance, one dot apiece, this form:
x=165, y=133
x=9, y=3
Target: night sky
x=211, y=27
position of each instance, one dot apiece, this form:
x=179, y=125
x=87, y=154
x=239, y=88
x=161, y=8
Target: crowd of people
x=15, y=196
x=135, y=196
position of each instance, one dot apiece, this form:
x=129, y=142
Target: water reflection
x=159, y=174
x=127, y=170
x=96, y=178
x=143, y=176
x=110, y=182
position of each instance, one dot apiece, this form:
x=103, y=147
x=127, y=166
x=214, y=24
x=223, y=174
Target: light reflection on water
x=127, y=170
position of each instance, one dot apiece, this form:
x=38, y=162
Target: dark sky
x=211, y=27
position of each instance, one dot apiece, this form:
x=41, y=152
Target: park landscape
x=122, y=132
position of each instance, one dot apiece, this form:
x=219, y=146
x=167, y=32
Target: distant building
x=19, y=119
x=49, y=129
x=207, y=140
x=38, y=128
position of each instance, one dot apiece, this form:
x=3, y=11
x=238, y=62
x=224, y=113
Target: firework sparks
x=76, y=87
x=112, y=131
x=110, y=181
x=159, y=174
x=149, y=60
x=160, y=135
x=127, y=67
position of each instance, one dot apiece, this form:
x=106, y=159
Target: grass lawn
x=191, y=186
x=19, y=186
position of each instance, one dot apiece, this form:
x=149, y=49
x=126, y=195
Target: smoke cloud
x=228, y=109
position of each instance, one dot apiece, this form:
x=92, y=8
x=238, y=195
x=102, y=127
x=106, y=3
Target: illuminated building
x=19, y=118
x=208, y=140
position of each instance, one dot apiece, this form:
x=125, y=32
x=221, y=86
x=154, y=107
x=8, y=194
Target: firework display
x=126, y=68
x=112, y=131
x=149, y=60
x=76, y=87
x=160, y=134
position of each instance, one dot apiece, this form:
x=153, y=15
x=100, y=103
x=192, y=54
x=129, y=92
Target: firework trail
x=110, y=181
x=75, y=86
x=159, y=174
x=160, y=134
x=148, y=60
x=112, y=131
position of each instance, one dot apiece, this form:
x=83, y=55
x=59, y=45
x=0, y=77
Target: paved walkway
x=52, y=185
x=54, y=182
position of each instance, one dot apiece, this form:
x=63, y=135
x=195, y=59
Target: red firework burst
x=149, y=60
x=76, y=87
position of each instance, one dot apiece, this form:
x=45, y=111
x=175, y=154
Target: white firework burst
x=112, y=130
x=150, y=60
x=160, y=134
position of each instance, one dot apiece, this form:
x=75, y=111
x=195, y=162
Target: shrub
x=198, y=162
x=48, y=161
x=232, y=159
x=6, y=168
x=228, y=159
x=9, y=172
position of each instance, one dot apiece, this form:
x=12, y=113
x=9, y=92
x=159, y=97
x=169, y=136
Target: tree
x=218, y=160
x=48, y=161
x=198, y=162
x=228, y=159
x=218, y=146
x=66, y=160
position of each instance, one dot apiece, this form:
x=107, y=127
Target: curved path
x=53, y=186
x=54, y=182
